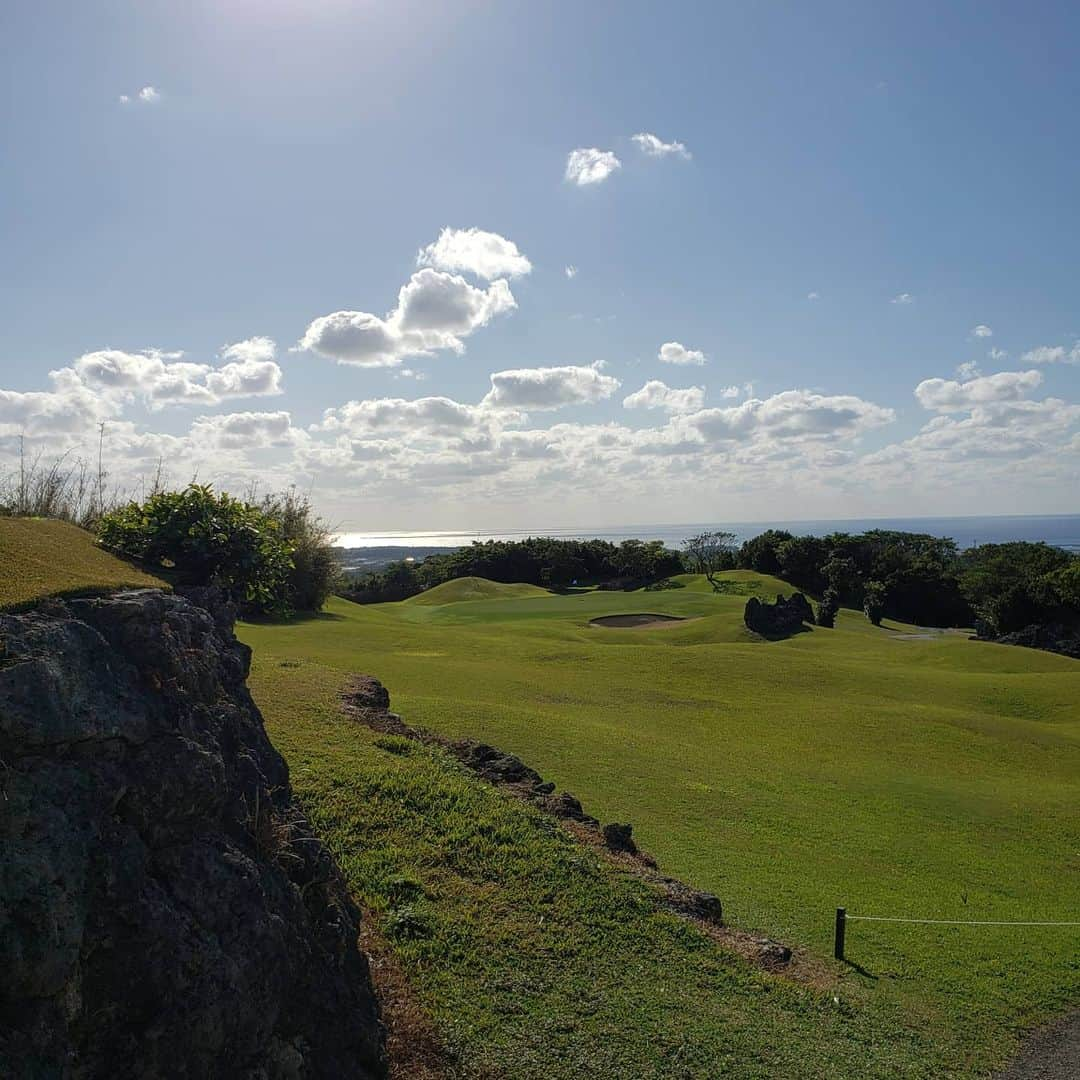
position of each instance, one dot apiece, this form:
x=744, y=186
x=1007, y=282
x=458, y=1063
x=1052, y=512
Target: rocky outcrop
x=1053, y=637
x=782, y=619
x=165, y=909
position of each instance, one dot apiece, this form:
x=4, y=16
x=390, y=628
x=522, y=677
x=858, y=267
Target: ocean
x=1061, y=530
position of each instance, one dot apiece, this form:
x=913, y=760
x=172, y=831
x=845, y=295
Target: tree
x=801, y=559
x=709, y=553
x=842, y=574
x=874, y=601
x=205, y=539
x=759, y=552
x=828, y=608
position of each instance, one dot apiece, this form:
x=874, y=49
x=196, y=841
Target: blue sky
x=860, y=187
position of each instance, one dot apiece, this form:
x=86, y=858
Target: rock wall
x=165, y=910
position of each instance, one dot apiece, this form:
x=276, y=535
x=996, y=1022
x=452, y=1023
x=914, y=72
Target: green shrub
x=206, y=539
x=315, y=565
x=828, y=608
x=874, y=601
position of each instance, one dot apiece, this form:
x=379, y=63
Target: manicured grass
x=537, y=959
x=52, y=558
x=932, y=778
x=473, y=588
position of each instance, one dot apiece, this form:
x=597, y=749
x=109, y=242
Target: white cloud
x=250, y=350
x=432, y=415
x=903, y=298
x=672, y=352
x=159, y=379
x=793, y=414
x=243, y=431
x=813, y=296
x=68, y=409
x=946, y=395
x=244, y=378
x=571, y=272
x=1004, y=432
x=657, y=148
x=658, y=395
x=148, y=95
x=435, y=310
x=587, y=165
x=1053, y=354
x=982, y=331
x=969, y=369
x=997, y=354
x=549, y=388
x=485, y=254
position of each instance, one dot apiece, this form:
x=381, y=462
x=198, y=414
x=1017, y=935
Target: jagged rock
x=620, y=838
x=545, y=788
x=693, y=902
x=165, y=909
x=565, y=805
x=771, y=954
x=781, y=619
x=366, y=692
x=495, y=766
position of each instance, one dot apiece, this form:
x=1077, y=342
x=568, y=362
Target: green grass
x=473, y=588
x=897, y=777
x=41, y=558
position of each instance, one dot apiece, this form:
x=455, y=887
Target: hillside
x=52, y=558
x=474, y=588
x=893, y=772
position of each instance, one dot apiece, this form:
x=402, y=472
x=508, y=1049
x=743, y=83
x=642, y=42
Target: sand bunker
x=632, y=621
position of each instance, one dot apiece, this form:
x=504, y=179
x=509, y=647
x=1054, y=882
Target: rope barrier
x=955, y=922
x=843, y=918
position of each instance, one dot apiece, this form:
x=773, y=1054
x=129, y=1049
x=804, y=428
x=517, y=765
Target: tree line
x=913, y=577
x=540, y=560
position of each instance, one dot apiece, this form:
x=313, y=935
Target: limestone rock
x=165, y=909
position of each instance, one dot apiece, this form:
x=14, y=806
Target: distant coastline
x=1061, y=530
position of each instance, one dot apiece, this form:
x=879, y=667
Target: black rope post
x=841, y=926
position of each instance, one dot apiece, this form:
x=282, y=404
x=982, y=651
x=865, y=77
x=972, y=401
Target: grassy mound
x=474, y=588
x=41, y=558
x=868, y=767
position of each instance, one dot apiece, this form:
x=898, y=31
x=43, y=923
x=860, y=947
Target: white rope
x=953, y=922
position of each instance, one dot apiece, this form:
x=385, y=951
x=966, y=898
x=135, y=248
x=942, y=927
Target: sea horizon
x=1061, y=530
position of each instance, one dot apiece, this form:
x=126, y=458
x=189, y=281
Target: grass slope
x=473, y=588
x=932, y=778
x=52, y=558
x=536, y=959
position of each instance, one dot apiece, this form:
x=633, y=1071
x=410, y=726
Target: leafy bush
x=315, y=565
x=206, y=539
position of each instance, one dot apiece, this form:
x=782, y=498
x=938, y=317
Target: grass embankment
x=929, y=778
x=40, y=558
x=535, y=957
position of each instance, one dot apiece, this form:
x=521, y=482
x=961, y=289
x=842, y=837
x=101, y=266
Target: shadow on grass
x=297, y=619
x=860, y=969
